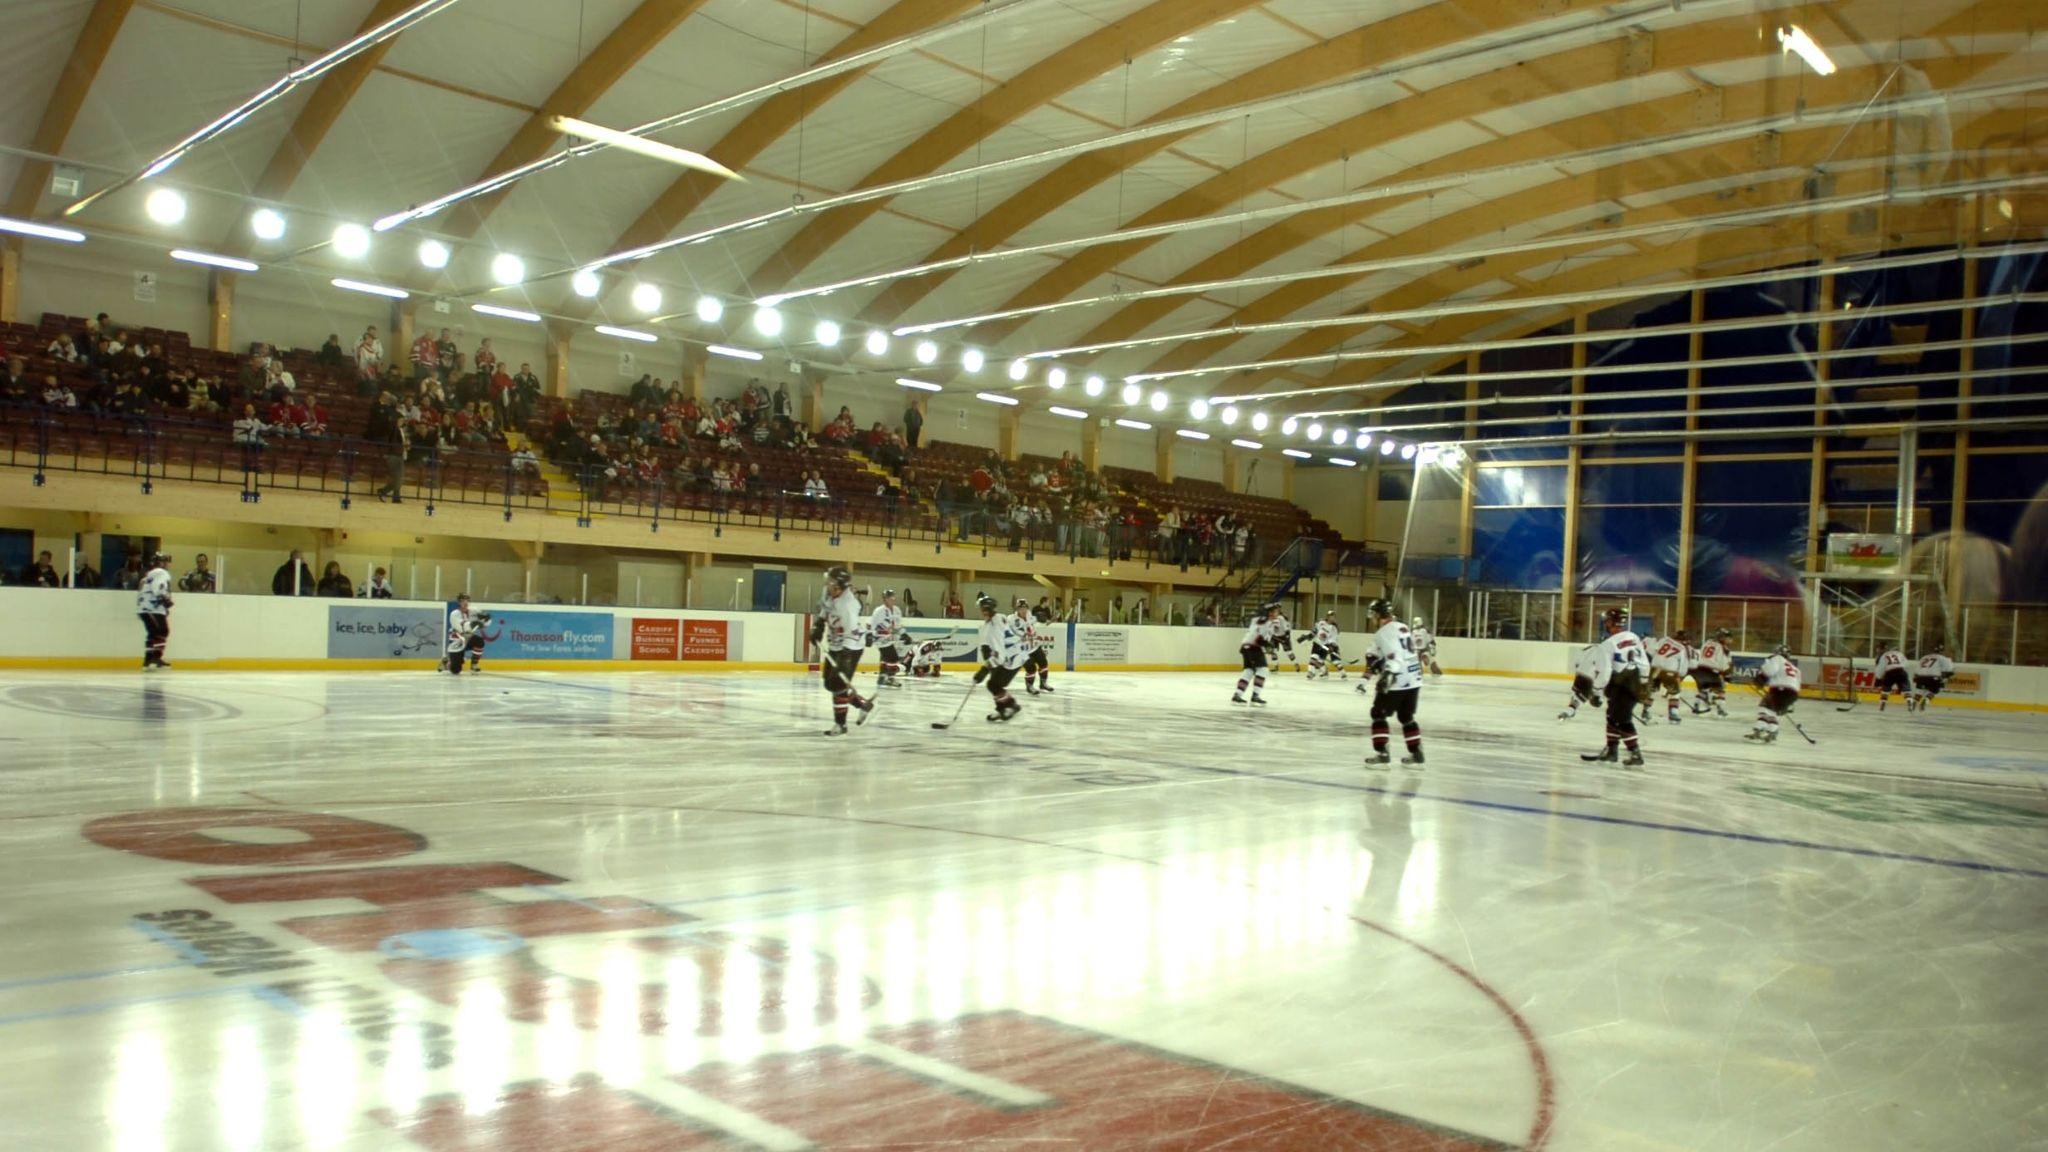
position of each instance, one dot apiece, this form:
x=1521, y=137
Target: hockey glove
x=981, y=674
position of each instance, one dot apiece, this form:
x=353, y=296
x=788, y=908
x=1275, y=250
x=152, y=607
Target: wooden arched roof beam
x=60, y=111
x=1692, y=46
x=1533, y=204
x=1061, y=70
x=1407, y=34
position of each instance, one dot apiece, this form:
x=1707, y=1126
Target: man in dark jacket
x=913, y=425
x=281, y=583
x=40, y=574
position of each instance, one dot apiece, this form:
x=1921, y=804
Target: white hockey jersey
x=462, y=624
x=1668, y=654
x=1714, y=656
x=1002, y=644
x=885, y=623
x=843, y=631
x=1326, y=633
x=1423, y=639
x=1028, y=629
x=1594, y=665
x=153, y=595
x=1935, y=664
x=1267, y=633
x=1890, y=660
x=1625, y=653
x=1780, y=672
x=1394, y=645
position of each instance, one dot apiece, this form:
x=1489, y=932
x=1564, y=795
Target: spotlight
x=1315, y=431
x=352, y=241
x=710, y=309
x=646, y=297
x=1288, y=426
x=1339, y=436
x=507, y=269
x=165, y=205
x=1199, y=409
x=1056, y=379
x=1159, y=401
x=1407, y=451
x=1093, y=386
x=768, y=322
x=1387, y=447
x=926, y=352
x=1019, y=369
x=877, y=342
x=1229, y=415
x=586, y=283
x=433, y=254
x=1259, y=421
x=1132, y=394
x=826, y=333
x=267, y=224
x=972, y=360
x=1364, y=439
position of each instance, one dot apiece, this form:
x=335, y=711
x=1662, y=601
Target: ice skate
x=1378, y=759
x=1045, y=688
x=1031, y=690
x=1634, y=759
x=1413, y=759
x=1238, y=698
x=867, y=709
x=1607, y=755
x=1258, y=700
x=836, y=730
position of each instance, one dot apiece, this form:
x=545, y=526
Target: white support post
x=1742, y=641
x=2013, y=657
x=437, y=581
x=529, y=585
x=412, y=580
x=468, y=576
x=636, y=591
x=585, y=598
x=71, y=567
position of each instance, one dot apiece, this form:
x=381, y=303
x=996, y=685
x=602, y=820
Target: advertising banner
x=1102, y=646
x=656, y=639
x=377, y=630
x=528, y=634
x=709, y=639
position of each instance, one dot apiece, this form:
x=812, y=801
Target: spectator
x=782, y=402
x=199, y=397
x=293, y=577
x=57, y=395
x=525, y=463
x=913, y=425
x=200, y=579
x=910, y=607
x=953, y=609
x=40, y=574
x=485, y=362
x=99, y=325
x=129, y=578
x=249, y=428
x=87, y=576
x=525, y=393
x=840, y=430
x=331, y=354
x=369, y=355
x=814, y=486
x=314, y=421
x=379, y=587
x=447, y=357
x=63, y=350
x=335, y=584
x=14, y=386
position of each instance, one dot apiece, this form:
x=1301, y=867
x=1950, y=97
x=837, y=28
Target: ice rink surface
x=650, y=912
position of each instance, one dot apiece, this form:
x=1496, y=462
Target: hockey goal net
x=1834, y=677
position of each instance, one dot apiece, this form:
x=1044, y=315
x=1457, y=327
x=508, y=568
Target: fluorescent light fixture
x=1092, y=386
x=1407, y=451
x=507, y=269
x=1254, y=445
x=1132, y=394
x=267, y=224
x=1387, y=447
x=768, y=321
x=44, y=231
x=1341, y=462
x=926, y=352
x=732, y=353
x=165, y=205
x=1297, y=453
x=1259, y=421
x=1229, y=415
x=1794, y=39
x=971, y=359
x=1056, y=379
x=351, y=241
x=1158, y=402
x=710, y=309
x=1314, y=431
x=372, y=289
x=1289, y=426
x=826, y=333
x=1199, y=409
x=1069, y=413
x=1134, y=425
x=628, y=334
x=920, y=385
x=191, y=257
x=506, y=313
x=1339, y=435
x=586, y=283
x=1190, y=434
x=640, y=145
x=1019, y=369
x=433, y=254
x=996, y=398
x=877, y=342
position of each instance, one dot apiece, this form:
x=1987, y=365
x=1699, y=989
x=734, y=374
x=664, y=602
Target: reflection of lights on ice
x=946, y=948
x=483, y=1047
x=325, y=1078
x=618, y=1016
x=561, y=1042
x=900, y=980
x=242, y=1091
x=140, y=1099
x=682, y=984
x=1417, y=897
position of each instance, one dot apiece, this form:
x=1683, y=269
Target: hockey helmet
x=1723, y=634
x=987, y=604
x=1682, y=636
x=160, y=558
x=1021, y=602
x=1330, y=615
x=1940, y=649
x=838, y=575
x=888, y=593
x=1381, y=609
x=1615, y=618
x=1415, y=623
x=1269, y=607
x=462, y=597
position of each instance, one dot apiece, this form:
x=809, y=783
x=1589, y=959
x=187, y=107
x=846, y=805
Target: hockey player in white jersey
x=927, y=658
x=153, y=608
x=1425, y=646
x=1589, y=676
x=1710, y=669
x=841, y=640
x=1628, y=670
x=1037, y=640
x=1003, y=651
x=885, y=625
x=1930, y=676
x=1323, y=647
x=1391, y=655
x=462, y=624
x=1670, y=660
x=1891, y=676
x=1267, y=632
x=1778, y=680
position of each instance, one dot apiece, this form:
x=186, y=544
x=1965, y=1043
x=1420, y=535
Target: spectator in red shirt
x=424, y=357
x=315, y=422
x=485, y=362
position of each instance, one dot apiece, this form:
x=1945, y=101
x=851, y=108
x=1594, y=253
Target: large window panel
x=1631, y=550
x=1518, y=548
x=1719, y=386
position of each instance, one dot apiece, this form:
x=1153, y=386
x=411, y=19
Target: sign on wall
x=377, y=631
x=669, y=639
x=656, y=639
x=524, y=634
x=1102, y=646
x=145, y=287
x=1864, y=554
x=708, y=639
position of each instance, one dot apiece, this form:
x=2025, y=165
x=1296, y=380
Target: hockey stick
x=957, y=711
x=1801, y=731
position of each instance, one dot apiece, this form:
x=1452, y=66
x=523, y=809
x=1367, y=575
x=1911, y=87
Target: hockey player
x=1891, y=677
x=840, y=639
x=478, y=638
x=1778, y=680
x=1710, y=670
x=1003, y=651
x=1391, y=655
x=885, y=624
x=462, y=624
x=153, y=608
x=928, y=657
x=1425, y=646
x=1670, y=660
x=1322, y=648
x=1037, y=664
x=1628, y=669
x=1589, y=675
x=1266, y=632
x=1930, y=677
